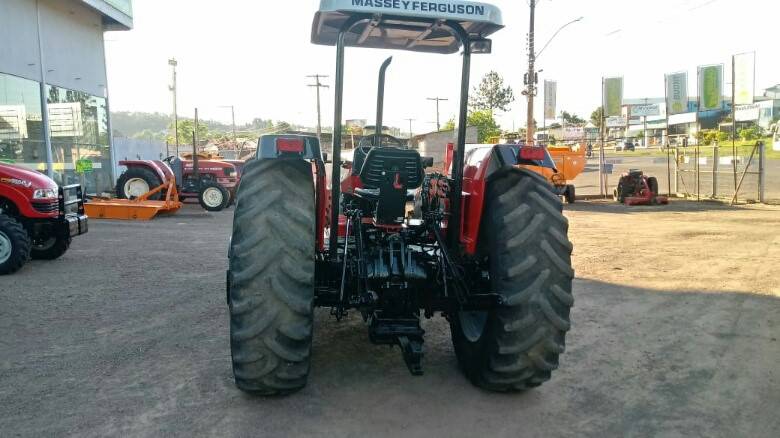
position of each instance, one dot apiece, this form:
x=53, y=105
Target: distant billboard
x=677, y=93
x=550, y=91
x=710, y=87
x=744, y=78
x=613, y=96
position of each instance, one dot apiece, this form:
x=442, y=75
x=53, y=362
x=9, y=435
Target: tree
x=485, y=123
x=571, y=118
x=597, y=116
x=491, y=94
x=186, y=128
x=450, y=125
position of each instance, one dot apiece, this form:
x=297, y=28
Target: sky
x=256, y=54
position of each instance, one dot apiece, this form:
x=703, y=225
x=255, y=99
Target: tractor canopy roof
x=420, y=26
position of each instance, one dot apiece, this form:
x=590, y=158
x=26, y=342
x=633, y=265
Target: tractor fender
x=158, y=167
x=481, y=163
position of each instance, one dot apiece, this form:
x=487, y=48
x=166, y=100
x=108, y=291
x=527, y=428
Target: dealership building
x=54, y=107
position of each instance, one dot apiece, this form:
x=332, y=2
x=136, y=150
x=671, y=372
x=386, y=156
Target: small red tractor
x=212, y=182
x=38, y=219
x=635, y=188
x=488, y=249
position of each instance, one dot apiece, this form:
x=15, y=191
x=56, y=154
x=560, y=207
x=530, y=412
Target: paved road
x=127, y=336
x=588, y=182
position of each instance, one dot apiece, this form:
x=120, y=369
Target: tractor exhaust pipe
x=380, y=101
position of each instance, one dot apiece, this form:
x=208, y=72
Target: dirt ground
x=675, y=333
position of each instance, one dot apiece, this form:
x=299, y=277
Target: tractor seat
x=388, y=175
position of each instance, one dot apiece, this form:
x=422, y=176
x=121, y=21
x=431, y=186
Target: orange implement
x=140, y=208
x=570, y=162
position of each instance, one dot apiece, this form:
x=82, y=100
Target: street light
x=530, y=80
x=172, y=62
x=556, y=34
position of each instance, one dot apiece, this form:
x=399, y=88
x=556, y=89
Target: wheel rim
x=5, y=247
x=136, y=187
x=212, y=197
x=472, y=324
x=46, y=244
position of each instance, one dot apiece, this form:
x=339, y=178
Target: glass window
x=79, y=131
x=21, y=123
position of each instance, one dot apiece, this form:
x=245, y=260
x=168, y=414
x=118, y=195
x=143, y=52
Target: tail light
x=533, y=153
x=287, y=145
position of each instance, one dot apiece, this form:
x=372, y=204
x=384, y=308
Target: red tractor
x=636, y=188
x=38, y=219
x=213, y=182
x=488, y=249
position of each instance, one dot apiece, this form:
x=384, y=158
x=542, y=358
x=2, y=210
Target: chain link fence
x=734, y=174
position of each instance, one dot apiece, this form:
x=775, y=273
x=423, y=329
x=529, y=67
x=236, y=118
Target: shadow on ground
x=127, y=336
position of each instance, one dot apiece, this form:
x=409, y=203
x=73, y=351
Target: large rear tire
x=652, y=183
x=271, y=277
x=524, y=236
x=135, y=181
x=14, y=245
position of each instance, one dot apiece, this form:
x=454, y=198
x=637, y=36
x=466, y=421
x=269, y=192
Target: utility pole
x=319, y=85
x=438, y=99
x=410, y=127
x=530, y=80
x=233, y=119
x=172, y=62
x=531, y=77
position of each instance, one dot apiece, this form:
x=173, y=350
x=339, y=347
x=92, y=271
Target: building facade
x=54, y=108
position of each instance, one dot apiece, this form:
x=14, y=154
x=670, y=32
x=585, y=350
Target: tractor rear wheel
x=524, y=236
x=135, y=181
x=271, y=277
x=14, y=245
x=652, y=183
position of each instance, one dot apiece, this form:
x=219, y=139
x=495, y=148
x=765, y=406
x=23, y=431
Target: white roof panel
x=404, y=24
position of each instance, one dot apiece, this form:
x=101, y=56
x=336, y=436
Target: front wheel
x=51, y=248
x=14, y=245
x=524, y=236
x=213, y=197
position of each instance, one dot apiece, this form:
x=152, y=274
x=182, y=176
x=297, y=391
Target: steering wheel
x=169, y=159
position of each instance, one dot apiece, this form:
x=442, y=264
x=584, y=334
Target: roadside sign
x=644, y=110
x=747, y=113
x=83, y=166
x=616, y=122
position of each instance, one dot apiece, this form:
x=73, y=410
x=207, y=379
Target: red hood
x=23, y=177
